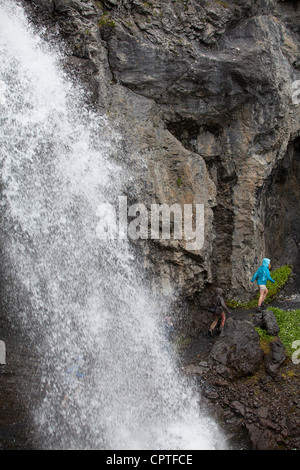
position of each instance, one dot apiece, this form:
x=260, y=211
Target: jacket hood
x=219, y=291
x=266, y=262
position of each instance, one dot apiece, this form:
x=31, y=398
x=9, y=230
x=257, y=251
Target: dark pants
x=218, y=315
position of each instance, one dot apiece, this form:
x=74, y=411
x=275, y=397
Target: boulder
x=238, y=350
x=276, y=357
x=269, y=323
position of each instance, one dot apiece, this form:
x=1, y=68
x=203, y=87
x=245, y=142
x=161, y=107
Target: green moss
x=232, y=303
x=179, y=182
x=280, y=276
x=289, y=324
x=265, y=340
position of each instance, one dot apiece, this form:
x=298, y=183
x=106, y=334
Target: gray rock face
x=2, y=353
x=202, y=93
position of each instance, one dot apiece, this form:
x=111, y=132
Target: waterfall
x=108, y=378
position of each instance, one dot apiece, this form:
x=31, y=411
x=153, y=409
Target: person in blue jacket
x=261, y=276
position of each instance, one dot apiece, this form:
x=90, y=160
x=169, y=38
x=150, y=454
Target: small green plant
x=179, y=182
x=232, y=303
x=106, y=21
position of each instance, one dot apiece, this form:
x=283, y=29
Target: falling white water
x=108, y=380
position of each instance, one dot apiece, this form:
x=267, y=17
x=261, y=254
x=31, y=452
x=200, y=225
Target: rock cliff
x=204, y=94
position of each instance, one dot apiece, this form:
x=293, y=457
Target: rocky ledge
x=253, y=392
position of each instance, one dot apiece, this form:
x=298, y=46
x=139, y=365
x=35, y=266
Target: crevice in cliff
x=280, y=206
x=223, y=226
x=206, y=140
x=186, y=131
x=195, y=137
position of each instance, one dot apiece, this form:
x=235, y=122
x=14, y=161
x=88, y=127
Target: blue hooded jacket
x=262, y=275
